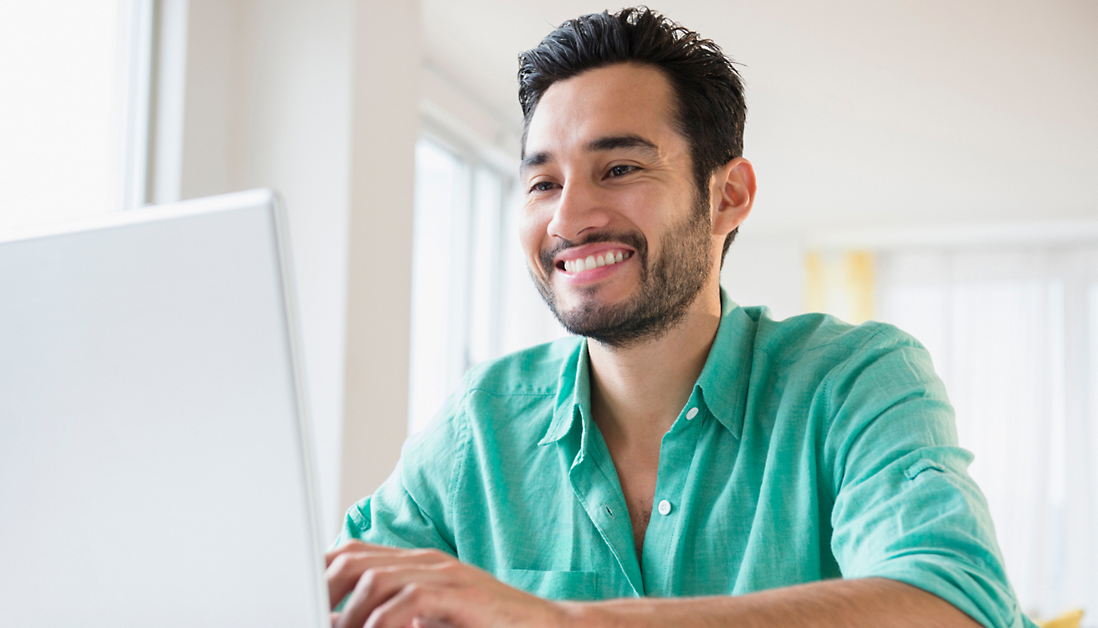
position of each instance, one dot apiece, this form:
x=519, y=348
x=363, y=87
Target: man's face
x=608, y=179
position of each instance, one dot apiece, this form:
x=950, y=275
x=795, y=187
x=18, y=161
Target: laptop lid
x=154, y=451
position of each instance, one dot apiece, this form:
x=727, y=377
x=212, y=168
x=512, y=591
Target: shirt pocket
x=555, y=585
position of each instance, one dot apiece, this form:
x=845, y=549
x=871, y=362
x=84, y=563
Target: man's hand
x=391, y=588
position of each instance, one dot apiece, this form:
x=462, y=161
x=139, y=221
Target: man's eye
x=621, y=171
x=542, y=186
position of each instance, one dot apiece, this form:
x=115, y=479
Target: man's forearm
x=871, y=602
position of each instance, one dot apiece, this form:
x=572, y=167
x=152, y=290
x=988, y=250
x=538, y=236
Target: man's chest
x=638, y=484
x=636, y=465
x=710, y=519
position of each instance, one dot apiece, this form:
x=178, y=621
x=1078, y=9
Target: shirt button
x=691, y=413
x=664, y=507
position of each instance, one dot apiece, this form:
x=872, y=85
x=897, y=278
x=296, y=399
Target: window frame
x=465, y=348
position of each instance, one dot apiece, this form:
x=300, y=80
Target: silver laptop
x=154, y=451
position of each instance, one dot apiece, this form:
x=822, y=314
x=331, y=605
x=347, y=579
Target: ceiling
x=861, y=112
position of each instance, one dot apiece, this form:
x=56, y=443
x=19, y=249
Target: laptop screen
x=154, y=454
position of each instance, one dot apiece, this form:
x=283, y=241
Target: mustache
x=633, y=239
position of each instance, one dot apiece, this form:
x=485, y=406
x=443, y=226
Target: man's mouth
x=581, y=264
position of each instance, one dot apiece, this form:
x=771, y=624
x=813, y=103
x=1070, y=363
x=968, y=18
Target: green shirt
x=809, y=449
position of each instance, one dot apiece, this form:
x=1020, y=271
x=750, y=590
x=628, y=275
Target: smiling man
x=683, y=460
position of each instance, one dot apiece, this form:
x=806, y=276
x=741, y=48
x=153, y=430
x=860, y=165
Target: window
x=67, y=80
x=456, y=271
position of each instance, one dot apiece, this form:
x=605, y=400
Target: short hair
x=709, y=106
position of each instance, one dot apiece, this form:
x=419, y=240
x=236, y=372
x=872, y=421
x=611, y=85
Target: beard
x=667, y=287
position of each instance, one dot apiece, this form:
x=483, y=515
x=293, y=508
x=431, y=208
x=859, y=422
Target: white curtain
x=1014, y=334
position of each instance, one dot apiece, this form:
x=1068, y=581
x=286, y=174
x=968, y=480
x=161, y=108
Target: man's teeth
x=594, y=261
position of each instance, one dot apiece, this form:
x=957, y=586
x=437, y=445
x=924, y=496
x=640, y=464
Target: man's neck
x=638, y=391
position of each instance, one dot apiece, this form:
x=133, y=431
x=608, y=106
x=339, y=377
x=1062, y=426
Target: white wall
x=766, y=270
x=385, y=122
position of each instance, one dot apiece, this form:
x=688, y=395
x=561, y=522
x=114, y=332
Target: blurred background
x=930, y=164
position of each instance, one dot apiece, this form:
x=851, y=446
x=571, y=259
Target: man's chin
x=595, y=317
x=582, y=306
x=590, y=296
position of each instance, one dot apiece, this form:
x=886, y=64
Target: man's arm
x=845, y=603
x=388, y=588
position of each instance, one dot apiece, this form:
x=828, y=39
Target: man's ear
x=731, y=194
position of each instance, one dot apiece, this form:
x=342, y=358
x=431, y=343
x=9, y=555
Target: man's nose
x=582, y=207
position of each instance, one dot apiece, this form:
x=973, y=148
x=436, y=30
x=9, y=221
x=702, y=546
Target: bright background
x=927, y=163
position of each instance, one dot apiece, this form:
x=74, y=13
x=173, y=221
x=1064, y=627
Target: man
x=687, y=461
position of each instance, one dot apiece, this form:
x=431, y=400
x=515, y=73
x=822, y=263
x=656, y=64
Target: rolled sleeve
x=412, y=508
x=392, y=517
x=905, y=506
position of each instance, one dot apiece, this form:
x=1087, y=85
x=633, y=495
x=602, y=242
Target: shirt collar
x=722, y=385
x=724, y=379
x=573, y=394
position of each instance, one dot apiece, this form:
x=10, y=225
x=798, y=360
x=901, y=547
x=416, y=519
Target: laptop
x=155, y=461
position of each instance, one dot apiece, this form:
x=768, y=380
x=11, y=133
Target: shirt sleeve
x=905, y=507
x=412, y=508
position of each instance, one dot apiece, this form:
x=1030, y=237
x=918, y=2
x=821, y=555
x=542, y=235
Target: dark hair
x=709, y=105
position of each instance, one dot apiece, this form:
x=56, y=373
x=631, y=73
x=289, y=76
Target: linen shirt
x=809, y=449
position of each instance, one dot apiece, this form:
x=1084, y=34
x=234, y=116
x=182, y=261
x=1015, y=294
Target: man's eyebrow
x=609, y=142
x=621, y=141
x=534, y=159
